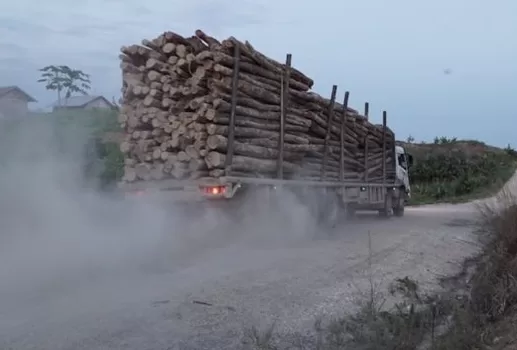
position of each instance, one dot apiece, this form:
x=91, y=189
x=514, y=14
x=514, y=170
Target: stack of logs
x=177, y=104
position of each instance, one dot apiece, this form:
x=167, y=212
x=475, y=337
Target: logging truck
x=328, y=199
x=214, y=123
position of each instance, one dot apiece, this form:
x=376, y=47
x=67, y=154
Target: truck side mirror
x=409, y=160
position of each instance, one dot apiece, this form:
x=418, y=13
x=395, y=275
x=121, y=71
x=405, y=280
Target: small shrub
x=454, y=174
x=76, y=135
x=444, y=140
x=510, y=151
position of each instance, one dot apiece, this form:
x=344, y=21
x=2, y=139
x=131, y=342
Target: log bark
x=251, y=122
x=214, y=129
x=291, y=118
x=227, y=60
x=243, y=163
x=220, y=143
x=266, y=62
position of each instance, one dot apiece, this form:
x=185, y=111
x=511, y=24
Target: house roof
x=4, y=90
x=79, y=101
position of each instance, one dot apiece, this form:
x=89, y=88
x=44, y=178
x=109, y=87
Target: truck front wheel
x=400, y=202
x=398, y=209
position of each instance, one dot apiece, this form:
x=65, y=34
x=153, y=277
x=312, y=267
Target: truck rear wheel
x=350, y=211
x=387, y=211
x=329, y=210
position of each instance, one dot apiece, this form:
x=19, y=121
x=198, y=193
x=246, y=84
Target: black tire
x=398, y=209
x=329, y=210
x=387, y=211
x=350, y=211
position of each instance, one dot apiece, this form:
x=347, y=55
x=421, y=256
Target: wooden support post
x=284, y=101
x=366, y=109
x=233, y=108
x=327, y=136
x=384, y=120
x=366, y=150
x=342, y=138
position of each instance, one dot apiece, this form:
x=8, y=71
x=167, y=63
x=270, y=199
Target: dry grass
x=483, y=320
x=483, y=316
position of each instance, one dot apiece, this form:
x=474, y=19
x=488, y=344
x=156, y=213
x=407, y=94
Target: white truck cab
x=402, y=164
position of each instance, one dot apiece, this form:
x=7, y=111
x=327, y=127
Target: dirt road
x=203, y=298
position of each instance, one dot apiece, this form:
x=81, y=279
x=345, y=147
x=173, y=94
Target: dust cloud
x=58, y=235
x=54, y=230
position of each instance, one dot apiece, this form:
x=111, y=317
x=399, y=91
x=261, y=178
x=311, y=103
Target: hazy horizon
x=390, y=54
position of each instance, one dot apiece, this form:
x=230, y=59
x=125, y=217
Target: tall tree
x=64, y=79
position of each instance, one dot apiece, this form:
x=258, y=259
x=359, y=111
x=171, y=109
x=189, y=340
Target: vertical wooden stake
x=384, y=120
x=342, y=139
x=329, y=124
x=284, y=101
x=231, y=126
x=366, y=110
x=366, y=150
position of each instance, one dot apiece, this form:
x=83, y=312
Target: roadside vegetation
x=94, y=134
x=451, y=170
x=99, y=131
x=476, y=311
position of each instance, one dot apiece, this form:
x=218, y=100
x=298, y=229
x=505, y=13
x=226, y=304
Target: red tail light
x=135, y=193
x=214, y=190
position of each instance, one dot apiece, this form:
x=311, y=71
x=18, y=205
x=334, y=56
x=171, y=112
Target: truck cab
x=403, y=162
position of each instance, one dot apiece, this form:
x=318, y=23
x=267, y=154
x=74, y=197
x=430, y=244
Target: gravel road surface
x=215, y=284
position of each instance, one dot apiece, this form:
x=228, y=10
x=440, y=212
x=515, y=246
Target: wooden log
x=175, y=38
x=251, y=122
x=266, y=62
x=242, y=163
x=273, y=143
x=212, y=43
x=196, y=44
x=227, y=60
x=220, y=143
x=143, y=171
x=129, y=174
x=222, y=105
x=213, y=129
x=271, y=85
x=169, y=48
x=157, y=65
x=251, y=90
x=197, y=164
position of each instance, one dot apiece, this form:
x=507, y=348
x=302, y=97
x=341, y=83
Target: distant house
x=14, y=102
x=83, y=102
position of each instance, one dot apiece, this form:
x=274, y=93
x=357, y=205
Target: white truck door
x=402, y=168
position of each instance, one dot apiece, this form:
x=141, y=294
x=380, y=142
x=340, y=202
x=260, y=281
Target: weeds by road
x=477, y=310
x=456, y=171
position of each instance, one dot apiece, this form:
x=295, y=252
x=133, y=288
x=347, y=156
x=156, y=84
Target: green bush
x=104, y=161
x=456, y=174
x=78, y=135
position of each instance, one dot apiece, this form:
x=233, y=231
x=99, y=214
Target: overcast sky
x=390, y=53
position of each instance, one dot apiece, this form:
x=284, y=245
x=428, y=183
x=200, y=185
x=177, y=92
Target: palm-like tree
x=64, y=79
